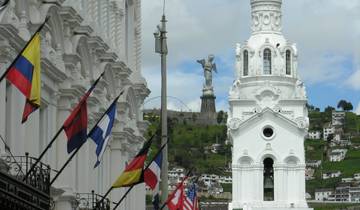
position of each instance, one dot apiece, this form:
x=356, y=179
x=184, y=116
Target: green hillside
x=189, y=148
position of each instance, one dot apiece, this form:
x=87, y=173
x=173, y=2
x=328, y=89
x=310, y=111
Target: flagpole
x=55, y=137
x=74, y=153
x=43, y=153
x=177, y=187
x=66, y=163
x=123, y=197
x=161, y=48
x=20, y=53
x=153, y=159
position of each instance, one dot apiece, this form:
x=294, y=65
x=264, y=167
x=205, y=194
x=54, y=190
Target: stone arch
x=292, y=160
x=245, y=161
x=83, y=50
x=270, y=47
x=130, y=96
x=110, y=79
x=56, y=29
x=268, y=153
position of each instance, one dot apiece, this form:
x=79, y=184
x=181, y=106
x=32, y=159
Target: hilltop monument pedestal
x=208, y=110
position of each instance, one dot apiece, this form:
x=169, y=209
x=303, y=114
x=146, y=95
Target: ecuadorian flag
x=25, y=75
x=134, y=173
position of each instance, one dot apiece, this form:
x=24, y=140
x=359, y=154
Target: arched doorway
x=268, y=179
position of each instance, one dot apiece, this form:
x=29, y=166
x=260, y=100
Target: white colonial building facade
x=268, y=118
x=82, y=39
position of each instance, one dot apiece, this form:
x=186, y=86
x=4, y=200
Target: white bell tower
x=268, y=118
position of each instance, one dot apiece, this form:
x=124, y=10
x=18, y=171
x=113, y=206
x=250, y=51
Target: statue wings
x=202, y=62
x=214, y=67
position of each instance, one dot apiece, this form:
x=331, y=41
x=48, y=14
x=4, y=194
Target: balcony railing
x=30, y=194
x=39, y=178
x=88, y=201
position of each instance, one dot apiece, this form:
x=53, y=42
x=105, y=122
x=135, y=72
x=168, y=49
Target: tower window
x=267, y=61
x=288, y=62
x=268, y=179
x=268, y=132
x=246, y=63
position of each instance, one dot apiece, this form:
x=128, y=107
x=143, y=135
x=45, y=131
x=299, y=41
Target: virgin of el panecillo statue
x=208, y=66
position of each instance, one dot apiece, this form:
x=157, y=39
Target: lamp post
x=161, y=48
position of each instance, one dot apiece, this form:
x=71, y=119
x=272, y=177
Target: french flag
x=152, y=178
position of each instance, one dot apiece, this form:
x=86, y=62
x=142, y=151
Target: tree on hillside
x=348, y=107
x=312, y=108
x=341, y=104
x=220, y=117
x=345, y=106
x=329, y=109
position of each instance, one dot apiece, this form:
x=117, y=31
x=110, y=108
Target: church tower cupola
x=267, y=52
x=267, y=118
x=266, y=16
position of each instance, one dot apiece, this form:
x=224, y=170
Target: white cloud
x=357, y=110
x=354, y=80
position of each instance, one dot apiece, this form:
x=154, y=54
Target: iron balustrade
x=39, y=178
x=87, y=201
x=30, y=194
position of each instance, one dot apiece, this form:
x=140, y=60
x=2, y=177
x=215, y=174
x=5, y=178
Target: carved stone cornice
x=50, y=70
x=142, y=126
x=141, y=90
x=7, y=53
x=97, y=43
x=83, y=30
x=10, y=33
x=108, y=57
x=69, y=14
x=93, y=101
x=71, y=59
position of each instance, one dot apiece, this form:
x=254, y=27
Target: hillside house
x=337, y=118
x=346, y=193
x=323, y=194
x=330, y=175
x=328, y=129
x=314, y=135
x=337, y=155
x=313, y=163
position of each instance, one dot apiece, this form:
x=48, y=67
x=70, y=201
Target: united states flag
x=190, y=200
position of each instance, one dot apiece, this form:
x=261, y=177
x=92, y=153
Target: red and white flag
x=175, y=199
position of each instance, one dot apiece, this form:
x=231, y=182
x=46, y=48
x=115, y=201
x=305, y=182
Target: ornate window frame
x=267, y=45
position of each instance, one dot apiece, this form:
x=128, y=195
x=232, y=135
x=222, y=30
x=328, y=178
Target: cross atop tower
x=266, y=16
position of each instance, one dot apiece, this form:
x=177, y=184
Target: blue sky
x=327, y=33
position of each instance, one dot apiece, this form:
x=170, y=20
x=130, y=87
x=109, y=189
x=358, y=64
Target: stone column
x=118, y=157
x=258, y=187
x=3, y=119
x=302, y=192
x=32, y=130
x=6, y=54
x=83, y=163
x=66, y=181
x=15, y=130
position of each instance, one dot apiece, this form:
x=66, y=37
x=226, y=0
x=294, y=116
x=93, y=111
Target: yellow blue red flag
x=25, y=74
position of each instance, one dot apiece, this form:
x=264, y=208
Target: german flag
x=134, y=172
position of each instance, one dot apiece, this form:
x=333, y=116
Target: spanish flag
x=134, y=172
x=24, y=73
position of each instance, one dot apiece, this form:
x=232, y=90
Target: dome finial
x=266, y=16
